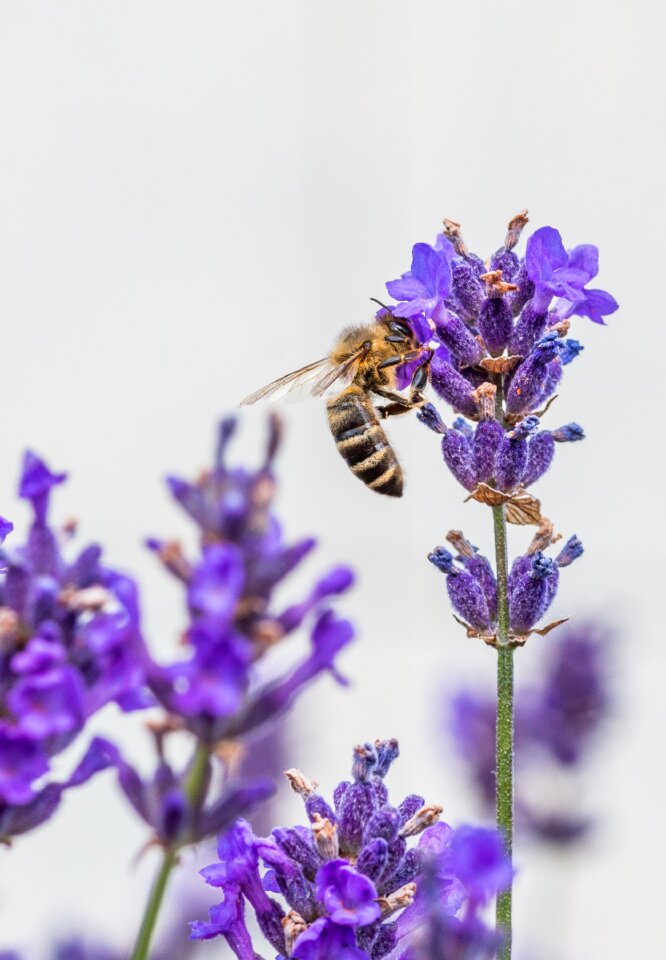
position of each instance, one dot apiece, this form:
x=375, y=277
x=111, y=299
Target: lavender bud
x=540, y=453
x=466, y=287
x=422, y=819
x=455, y=335
x=570, y=350
x=385, y=823
x=512, y=455
x=569, y=433
x=572, y=549
x=291, y=842
x=479, y=566
x=506, y=262
x=364, y=762
x=387, y=752
x=464, y=590
x=458, y=457
x=373, y=858
x=396, y=851
x=316, y=806
x=357, y=806
x=531, y=591
x=409, y=806
x=525, y=291
x=487, y=439
x=429, y=416
x=298, y=892
x=552, y=378
x=529, y=327
x=452, y=386
x=495, y=324
x=338, y=793
x=527, y=384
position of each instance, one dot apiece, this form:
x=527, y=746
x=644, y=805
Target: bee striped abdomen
x=363, y=444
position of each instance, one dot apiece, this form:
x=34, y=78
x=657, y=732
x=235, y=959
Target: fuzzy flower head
x=532, y=584
x=348, y=882
x=505, y=319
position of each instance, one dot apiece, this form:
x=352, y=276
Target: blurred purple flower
x=557, y=722
x=215, y=689
x=229, y=590
x=68, y=646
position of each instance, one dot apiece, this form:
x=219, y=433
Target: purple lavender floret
x=532, y=584
x=427, y=283
x=534, y=381
x=229, y=590
x=465, y=591
x=499, y=347
x=513, y=311
x=350, y=884
x=69, y=633
x=531, y=588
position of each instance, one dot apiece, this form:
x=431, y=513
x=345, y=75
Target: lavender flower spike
x=69, y=628
x=353, y=884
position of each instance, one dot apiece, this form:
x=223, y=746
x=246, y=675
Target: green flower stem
x=504, y=734
x=194, y=789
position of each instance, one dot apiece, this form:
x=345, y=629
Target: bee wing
x=341, y=374
x=315, y=379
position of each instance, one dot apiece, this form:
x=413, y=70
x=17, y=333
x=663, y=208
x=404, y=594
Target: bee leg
x=397, y=326
x=393, y=397
x=399, y=358
x=420, y=379
x=393, y=410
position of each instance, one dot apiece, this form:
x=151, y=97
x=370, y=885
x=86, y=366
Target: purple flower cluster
x=531, y=588
x=68, y=646
x=214, y=689
x=558, y=720
x=350, y=880
x=498, y=332
x=508, y=320
x=507, y=460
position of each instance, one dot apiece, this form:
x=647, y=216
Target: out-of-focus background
x=194, y=198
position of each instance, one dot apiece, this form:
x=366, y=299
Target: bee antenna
x=375, y=300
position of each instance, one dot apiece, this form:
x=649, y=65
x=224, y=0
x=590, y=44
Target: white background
x=194, y=198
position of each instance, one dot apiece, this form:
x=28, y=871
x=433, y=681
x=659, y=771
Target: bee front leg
x=393, y=410
x=420, y=380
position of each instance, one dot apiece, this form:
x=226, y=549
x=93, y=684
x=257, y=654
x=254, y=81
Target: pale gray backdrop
x=194, y=197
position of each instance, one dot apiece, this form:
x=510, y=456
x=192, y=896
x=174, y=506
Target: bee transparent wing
x=315, y=379
x=294, y=384
x=340, y=375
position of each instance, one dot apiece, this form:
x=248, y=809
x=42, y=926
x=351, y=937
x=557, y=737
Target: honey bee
x=364, y=359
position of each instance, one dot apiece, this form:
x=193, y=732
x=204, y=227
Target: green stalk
x=504, y=731
x=194, y=788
